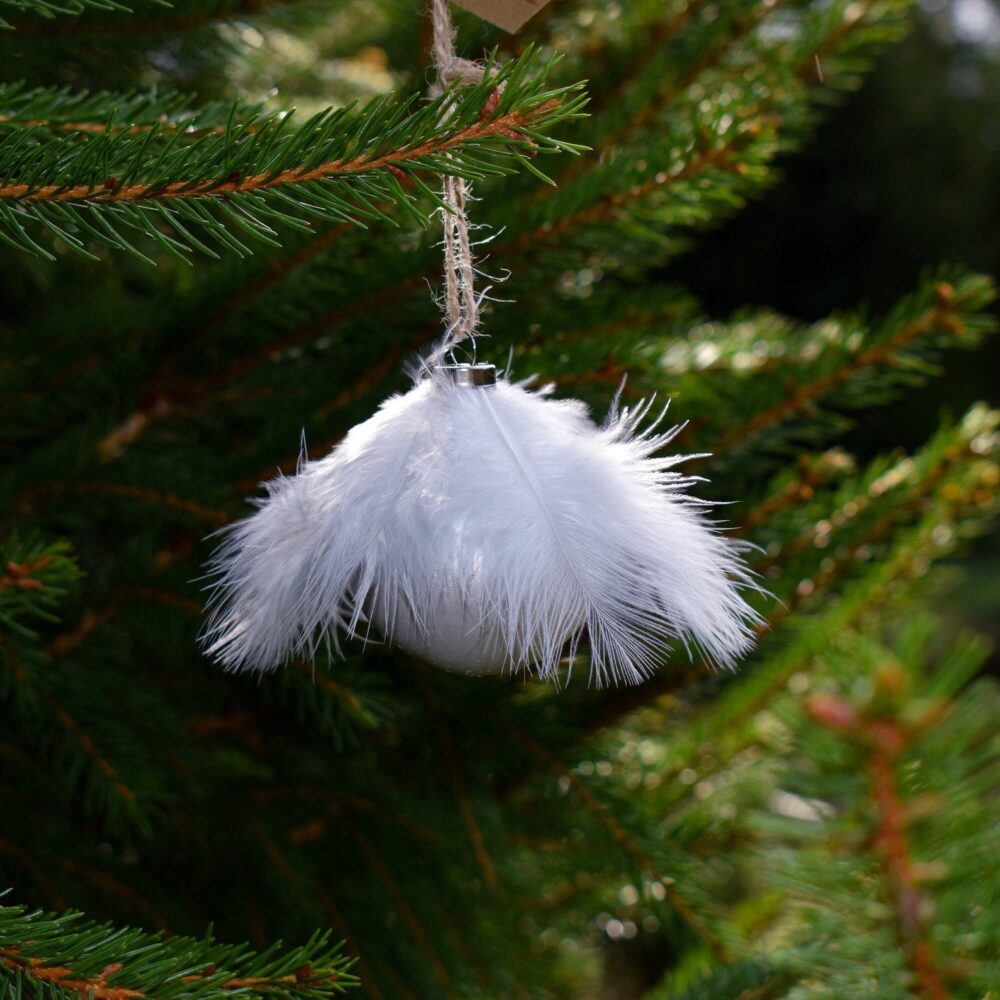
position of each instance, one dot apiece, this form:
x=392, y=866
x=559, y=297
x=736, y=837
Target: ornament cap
x=474, y=375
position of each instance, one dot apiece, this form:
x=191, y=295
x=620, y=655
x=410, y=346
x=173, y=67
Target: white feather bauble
x=451, y=633
x=484, y=528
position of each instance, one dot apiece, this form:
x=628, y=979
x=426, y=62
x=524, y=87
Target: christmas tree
x=193, y=275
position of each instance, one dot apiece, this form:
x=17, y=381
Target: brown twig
x=90, y=748
x=46, y=389
x=278, y=268
x=340, y=799
x=608, y=206
x=164, y=405
x=21, y=576
x=326, y=683
x=303, y=977
x=482, y=855
x=63, y=978
x=159, y=404
x=105, y=128
x=884, y=740
x=339, y=923
x=66, y=642
x=941, y=314
x=405, y=910
x=811, y=473
x=363, y=384
x=134, y=494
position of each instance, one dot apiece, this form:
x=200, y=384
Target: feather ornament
x=484, y=528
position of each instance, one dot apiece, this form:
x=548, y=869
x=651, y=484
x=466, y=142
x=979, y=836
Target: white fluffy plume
x=484, y=529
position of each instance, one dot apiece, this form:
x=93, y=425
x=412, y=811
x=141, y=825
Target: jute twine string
x=461, y=303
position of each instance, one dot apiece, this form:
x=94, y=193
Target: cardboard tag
x=506, y=14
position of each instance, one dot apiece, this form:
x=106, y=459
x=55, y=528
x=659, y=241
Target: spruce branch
x=34, y=576
x=947, y=485
x=163, y=405
x=616, y=208
x=114, y=192
x=728, y=57
x=99, y=762
x=718, y=164
x=799, y=486
x=802, y=386
x=758, y=385
x=882, y=741
x=107, y=182
x=727, y=155
x=900, y=746
x=60, y=110
x=118, y=790
x=669, y=87
x=706, y=734
x=892, y=351
x=846, y=522
x=341, y=702
x=657, y=33
x=69, y=956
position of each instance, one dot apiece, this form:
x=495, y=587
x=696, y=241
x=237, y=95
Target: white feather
x=484, y=529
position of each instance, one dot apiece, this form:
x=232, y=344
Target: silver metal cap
x=481, y=375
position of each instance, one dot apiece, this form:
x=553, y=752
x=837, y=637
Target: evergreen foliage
x=70, y=167
x=820, y=823
x=63, y=955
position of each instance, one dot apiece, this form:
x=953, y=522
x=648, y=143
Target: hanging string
x=461, y=304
